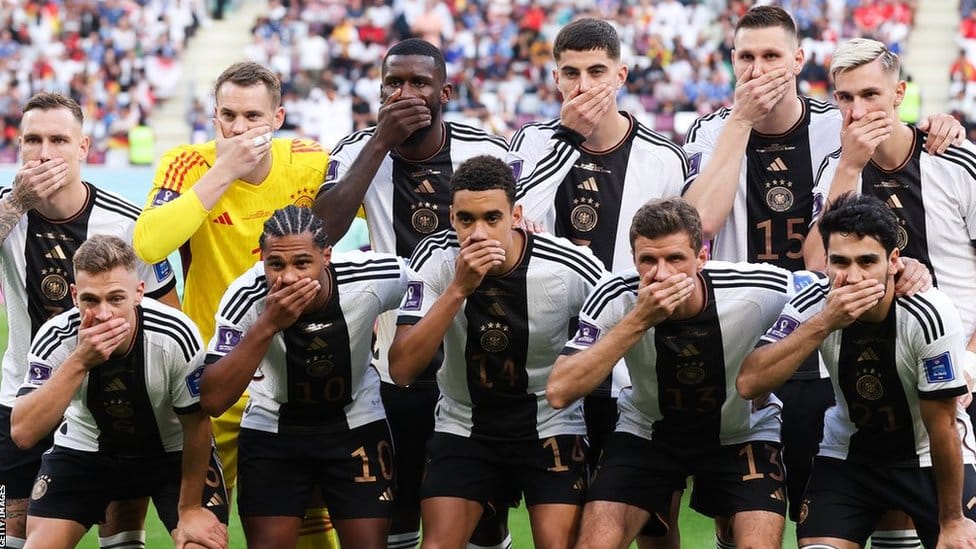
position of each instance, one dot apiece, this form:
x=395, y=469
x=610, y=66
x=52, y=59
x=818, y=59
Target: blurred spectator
x=116, y=58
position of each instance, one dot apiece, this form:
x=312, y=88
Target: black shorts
x=805, y=401
x=354, y=470
x=728, y=479
x=845, y=500
x=76, y=485
x=552, y=470
x=600, y=412
x=18, y=468
x=410, y=412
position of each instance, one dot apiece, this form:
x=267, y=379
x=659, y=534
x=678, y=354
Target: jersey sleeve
x=235, y=314
x=52, y=344
x=426, y=284
x=551, y=160
x=601, y=311
x=939, y=343
x=967, y=191
x=342, y=156
x=171, y=214
x=699, y=143
x=185, y=375
x=806, y=303
x=821, y=184
x=159, y=277
x=396, y=290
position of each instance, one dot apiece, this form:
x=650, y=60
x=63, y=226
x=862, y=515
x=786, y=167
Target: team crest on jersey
x=38, y=373
x=162, y=270
x=163, y=196
x=494, y=337
x=869, y=385
x=317, y=366
x=584, y=216
x=902, y=235
x=227, y=339
x=587, y=334
x=779, y=195
x=690, y=373
x=939, y=369
x=516, y=168
x=783, y=327
x=424, y=218
x=40, y=487
x=414, y=297
x=193, y=381
x=303, y=198
x=54, y=284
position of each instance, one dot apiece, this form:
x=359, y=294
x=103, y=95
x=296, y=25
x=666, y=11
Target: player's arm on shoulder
x=339, y=199
x=196, y=523
x=814, y=252
x=171, y=214
x=713, y=190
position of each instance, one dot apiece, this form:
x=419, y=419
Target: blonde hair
x=102, y=253
x=857, y=52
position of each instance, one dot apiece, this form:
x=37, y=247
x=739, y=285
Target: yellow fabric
x=223, y=242
x=317, y=531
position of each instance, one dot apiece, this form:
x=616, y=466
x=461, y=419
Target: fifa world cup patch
x=162, y=270
x=227, y=339
x=163, y=196
x=415, y=296
x=38, y=373
x=783, y=327
x=938, y=369
x=587, y=334
x=193, y=381
x=332, y=172
x=694, y=163
x=516, y=168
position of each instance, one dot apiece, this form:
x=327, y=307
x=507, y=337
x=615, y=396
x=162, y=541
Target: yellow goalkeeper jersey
x=218, y=245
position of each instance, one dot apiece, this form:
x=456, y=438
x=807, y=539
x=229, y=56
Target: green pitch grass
x=696, y=531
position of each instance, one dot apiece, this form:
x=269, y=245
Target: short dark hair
x=764, y=17
x=484, y=173
x=587, y=34
x=666, y=216
x=861, y=215
x=101, y=253
x=292, y=220
x=47, y=101
x=248, y=73
x=417, y=46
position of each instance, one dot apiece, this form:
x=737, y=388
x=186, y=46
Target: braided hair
x=292, y=220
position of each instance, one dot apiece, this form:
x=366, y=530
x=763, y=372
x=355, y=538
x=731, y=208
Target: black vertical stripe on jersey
x=781, y=161
x=47, y=256
x=596, y=181
x=319, y=377
x=904, y=187
x=691, y=376
x=410, y=176
x=884, y=428
x=502, y=410
x=118, y=399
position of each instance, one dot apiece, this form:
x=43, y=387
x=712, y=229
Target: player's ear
x=140, y=291
x=516, y=215
x=900, y=92
x=326, y=256
x=447, y=90
x=451, y=210
x=279, y=119
x=74, y=294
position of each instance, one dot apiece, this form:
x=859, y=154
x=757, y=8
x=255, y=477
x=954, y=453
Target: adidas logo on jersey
x=56, y=253
x=116, y=385
x=424, y=188
x=216, y=500
x=894, y=203
x=223, y=219
x=777, y=165
x=318, y=344
x=971, y=503
x=497, y=309
x=868, y=354
x=387, y=495
x=589, y=185
x=690, y=350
